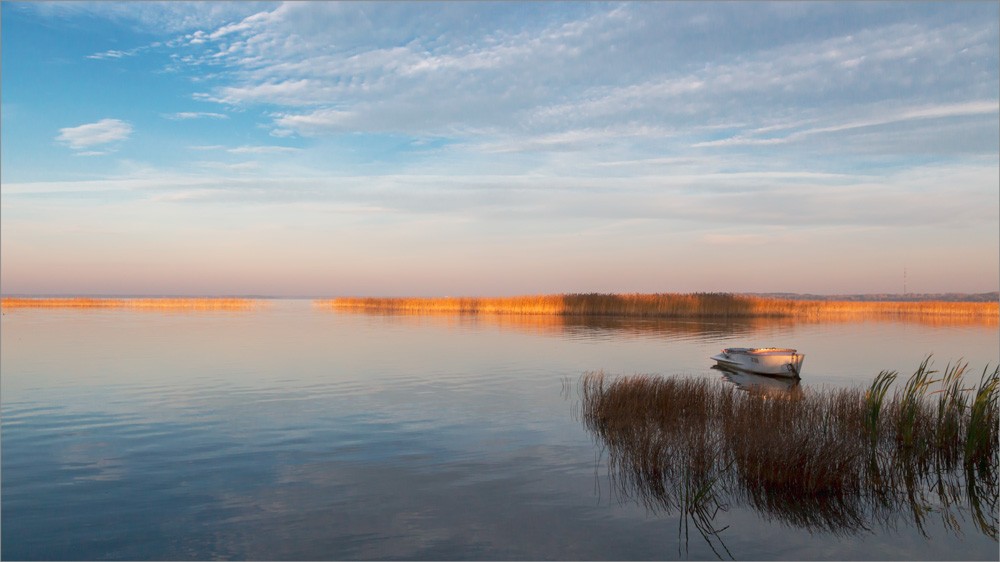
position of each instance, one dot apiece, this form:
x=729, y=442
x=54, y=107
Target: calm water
x=295, y=433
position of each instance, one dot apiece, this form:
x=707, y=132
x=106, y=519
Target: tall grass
x=911, y=408
x=952, y=405
x=983, y=429
x=670, y=305
x=874, y=401
x=175, y=304
x=836, y=460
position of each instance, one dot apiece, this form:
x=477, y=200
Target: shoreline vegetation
x=834, y=460
x=669, y=305
x=165, y=303
x=663, y=306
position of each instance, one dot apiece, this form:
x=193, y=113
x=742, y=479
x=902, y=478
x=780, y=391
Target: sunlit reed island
x=177, y=304
x=831, y=460
x=668, y=305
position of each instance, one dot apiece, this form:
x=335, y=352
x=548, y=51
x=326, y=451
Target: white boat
x=774, y=361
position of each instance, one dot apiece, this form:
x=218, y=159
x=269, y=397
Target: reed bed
x=161, y=304
x=834, y=460
x=669, y=305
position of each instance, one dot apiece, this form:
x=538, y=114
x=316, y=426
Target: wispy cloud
x=102, y=132
x=116, y=54
x=573, y=139
x=389, y=87
x=792, y=198
x=247, y=149
x=265, y=149
x=172, y=17
x=582, y=68
x=249, y=166
x=972, y=108
x=186, y=115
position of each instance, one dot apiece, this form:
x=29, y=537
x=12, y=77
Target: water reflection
x=615, y=328
x=777, y=387
x=698, y=449
x=590, y=327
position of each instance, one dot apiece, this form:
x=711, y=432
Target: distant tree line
x=890, y=297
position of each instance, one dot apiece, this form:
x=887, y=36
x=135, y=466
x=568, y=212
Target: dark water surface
x=296, y=433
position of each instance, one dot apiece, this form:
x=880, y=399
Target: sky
x=475, y=148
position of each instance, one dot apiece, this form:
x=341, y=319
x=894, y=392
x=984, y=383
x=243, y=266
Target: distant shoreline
x=705, y=306
x=668, y=305
x=886, y=297
x=172, y=303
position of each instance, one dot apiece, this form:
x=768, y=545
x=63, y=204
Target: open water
x=292, y=432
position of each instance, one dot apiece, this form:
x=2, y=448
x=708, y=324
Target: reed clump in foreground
x=165, y=304
x=668, y=305
x=835, y=460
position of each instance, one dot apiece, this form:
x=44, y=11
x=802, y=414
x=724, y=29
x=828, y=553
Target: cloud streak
x=188, y=115
x=99, y=133
x=804, y=199
x=968, y=109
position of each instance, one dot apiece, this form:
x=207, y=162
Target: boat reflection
x=774, y=387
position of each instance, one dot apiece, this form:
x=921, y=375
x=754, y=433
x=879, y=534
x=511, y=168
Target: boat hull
x=775, y=362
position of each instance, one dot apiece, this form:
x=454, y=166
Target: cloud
x=316, y=122
x=185, y=115
x=574, y=139
x=574, y=67
x=248, y=149
x=966, y=109
x=249, y=166
x=261, y=149
x=389, y=86
x=116, y=54
x=286, y=92
x=799, y=199
x=101, y=132
x=155, y=17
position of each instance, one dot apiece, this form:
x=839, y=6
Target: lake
x=292, y=432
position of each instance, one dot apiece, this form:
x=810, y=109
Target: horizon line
x=772, y=294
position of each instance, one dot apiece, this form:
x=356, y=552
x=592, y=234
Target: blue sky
x=476, y=148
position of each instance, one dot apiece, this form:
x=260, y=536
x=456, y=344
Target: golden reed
x=172, y=304
x=833, y=460
x=671, y=305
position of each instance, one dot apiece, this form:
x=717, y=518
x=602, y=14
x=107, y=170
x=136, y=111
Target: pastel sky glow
x=473, y=148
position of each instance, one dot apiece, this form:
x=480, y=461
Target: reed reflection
x=589, y=327
x=837, y=461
